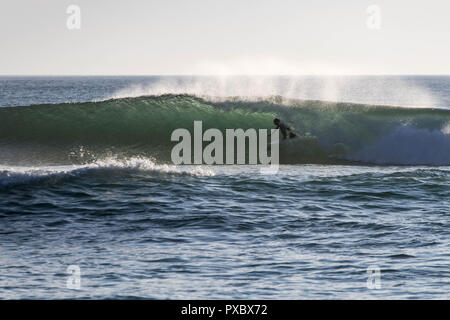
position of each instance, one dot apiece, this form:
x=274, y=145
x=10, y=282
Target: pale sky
x=176, y=37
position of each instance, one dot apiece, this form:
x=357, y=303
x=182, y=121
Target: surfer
x=284, y=129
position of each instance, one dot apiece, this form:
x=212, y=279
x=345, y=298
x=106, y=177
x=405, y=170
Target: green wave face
x=328, y=132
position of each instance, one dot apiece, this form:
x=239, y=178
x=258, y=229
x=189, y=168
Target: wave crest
x=16, y=175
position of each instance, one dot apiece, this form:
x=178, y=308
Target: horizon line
x=228, y=75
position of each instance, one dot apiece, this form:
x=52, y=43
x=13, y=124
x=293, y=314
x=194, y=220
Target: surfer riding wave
x=284, y=129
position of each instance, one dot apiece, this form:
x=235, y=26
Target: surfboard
x=296, y=139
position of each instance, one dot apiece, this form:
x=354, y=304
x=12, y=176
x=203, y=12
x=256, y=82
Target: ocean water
x=358, y=210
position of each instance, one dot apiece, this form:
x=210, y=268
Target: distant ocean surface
x=86, y=182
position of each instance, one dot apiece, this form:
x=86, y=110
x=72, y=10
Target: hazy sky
x=225, y=37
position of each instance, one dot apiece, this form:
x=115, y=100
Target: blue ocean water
x=85, y=181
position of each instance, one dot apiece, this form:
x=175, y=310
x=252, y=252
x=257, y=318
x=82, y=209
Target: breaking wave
x=140, y=128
